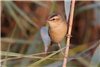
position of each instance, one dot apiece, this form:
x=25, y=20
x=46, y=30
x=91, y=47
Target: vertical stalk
x=69, y=32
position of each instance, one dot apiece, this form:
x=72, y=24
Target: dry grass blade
x=3, y=53
x=9, y=40
x=2, y=60
x=5, y=62
x=23, y=14
x=15, y=16
x=36, y=63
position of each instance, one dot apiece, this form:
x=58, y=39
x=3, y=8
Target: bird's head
x=54, y=20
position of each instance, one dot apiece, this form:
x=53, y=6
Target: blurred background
x=21, y=22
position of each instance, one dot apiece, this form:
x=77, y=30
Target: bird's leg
x=61, y=50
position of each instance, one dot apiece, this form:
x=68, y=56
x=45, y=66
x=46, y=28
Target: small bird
x=57, y=28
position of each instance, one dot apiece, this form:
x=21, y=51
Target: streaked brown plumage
x=57, y=28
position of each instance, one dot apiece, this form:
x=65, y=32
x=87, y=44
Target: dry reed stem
x=69, y=32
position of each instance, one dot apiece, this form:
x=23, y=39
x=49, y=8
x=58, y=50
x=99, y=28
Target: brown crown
x=52, y=15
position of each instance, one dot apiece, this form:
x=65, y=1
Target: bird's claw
x=65, y=56
x=67, y=35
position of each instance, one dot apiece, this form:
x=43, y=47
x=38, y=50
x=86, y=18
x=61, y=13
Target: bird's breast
x=58, y=33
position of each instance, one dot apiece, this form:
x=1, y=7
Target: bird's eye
x=53, y=19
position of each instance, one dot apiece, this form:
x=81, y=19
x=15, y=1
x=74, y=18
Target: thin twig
x=69, y=32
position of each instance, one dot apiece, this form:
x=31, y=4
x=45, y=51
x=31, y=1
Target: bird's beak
x=48, y=21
